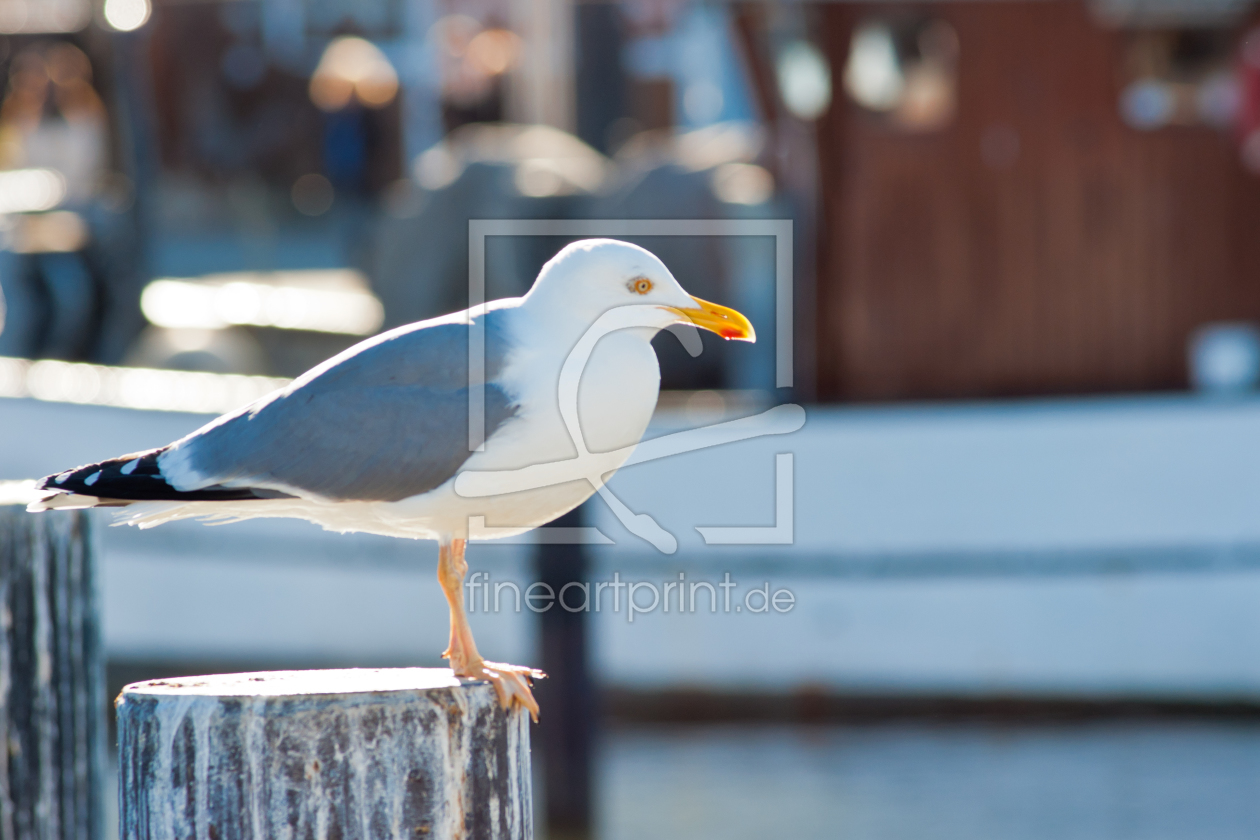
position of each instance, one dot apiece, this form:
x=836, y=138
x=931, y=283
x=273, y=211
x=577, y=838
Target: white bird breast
x=618, y=391
x=616, y=399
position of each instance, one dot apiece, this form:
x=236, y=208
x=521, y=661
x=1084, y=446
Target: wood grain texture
x=52, y=695
x=1081, y=264
x=350, y=754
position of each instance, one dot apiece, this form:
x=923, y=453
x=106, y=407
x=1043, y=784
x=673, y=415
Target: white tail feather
x=44, y=500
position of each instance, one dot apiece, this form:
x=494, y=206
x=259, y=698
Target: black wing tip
x=86, y=480
x=133, y=478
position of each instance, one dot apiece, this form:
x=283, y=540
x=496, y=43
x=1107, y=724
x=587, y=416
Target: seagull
x=373, y=439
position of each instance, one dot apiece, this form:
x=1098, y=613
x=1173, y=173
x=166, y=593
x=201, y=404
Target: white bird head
x=592, y=276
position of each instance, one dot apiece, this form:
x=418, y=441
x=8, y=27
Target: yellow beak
x=722, y=320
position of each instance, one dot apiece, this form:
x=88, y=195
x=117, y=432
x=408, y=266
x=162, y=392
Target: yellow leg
x=510, y=681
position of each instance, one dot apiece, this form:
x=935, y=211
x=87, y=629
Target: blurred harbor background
x=1019, y=526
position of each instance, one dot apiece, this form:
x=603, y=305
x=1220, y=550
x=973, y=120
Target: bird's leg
x=510, y=681
x=451, y=570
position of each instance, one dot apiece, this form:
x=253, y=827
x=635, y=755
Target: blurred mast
x=132, y=101
x=542, y=88
x=600, y=84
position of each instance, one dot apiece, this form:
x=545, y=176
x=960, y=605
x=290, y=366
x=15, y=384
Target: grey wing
x=386, y=420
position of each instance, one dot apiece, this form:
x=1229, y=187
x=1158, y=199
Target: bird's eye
x=641, y=285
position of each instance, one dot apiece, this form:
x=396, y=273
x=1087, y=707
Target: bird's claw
x=511, y=682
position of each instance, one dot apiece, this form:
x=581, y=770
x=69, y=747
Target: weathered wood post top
x=357, y=754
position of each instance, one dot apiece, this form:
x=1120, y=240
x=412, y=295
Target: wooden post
x=566, y=730
x=351, y=754
x=52, y=679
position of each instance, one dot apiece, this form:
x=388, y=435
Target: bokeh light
x=804, y=80
x=1225, y=358
x=312, y=194
x=31, y=190
x=743, y=183
x=471, y=58
x=873, y=74
x=43, y=16
x=353, y=68
x=126, y=15
x=142, y=388
x=494, y=51
x=331, y=301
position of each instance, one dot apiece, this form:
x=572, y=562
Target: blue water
x=1096, y=781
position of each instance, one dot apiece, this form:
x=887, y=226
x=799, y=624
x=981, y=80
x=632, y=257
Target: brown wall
x=1082, y=267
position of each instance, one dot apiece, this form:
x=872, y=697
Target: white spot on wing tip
x=174, y=465
x=130, y=467
x=61, y=479
x=92, y=479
